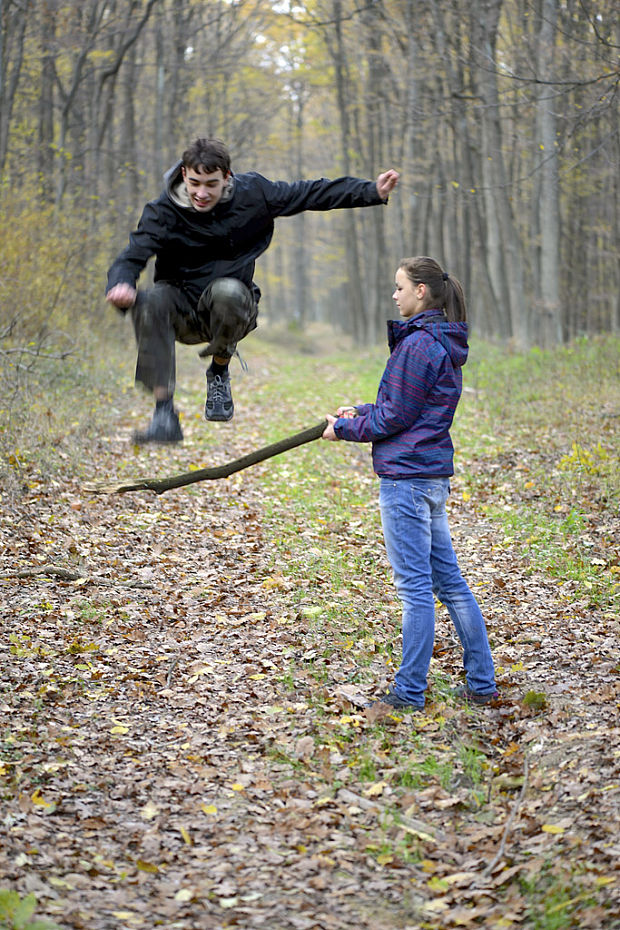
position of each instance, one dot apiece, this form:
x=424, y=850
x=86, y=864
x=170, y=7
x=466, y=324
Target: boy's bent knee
x=229, y=292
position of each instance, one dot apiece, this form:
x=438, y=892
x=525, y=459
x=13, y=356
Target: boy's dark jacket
x=409, y=425
x=193, y=248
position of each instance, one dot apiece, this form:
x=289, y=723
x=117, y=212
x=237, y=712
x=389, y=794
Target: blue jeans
x=419, y=547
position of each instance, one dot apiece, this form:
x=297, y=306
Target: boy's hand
x=122, y=296
x=386, y=183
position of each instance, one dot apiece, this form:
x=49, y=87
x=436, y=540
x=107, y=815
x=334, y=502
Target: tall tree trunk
x=160, y=80
x=128, y=149
x=300, y=308
x=46, y=100
x=354, y=291
x=379, y=272
x=13, y=26
x=550, y=328
x=502, y=246
x=614, y=275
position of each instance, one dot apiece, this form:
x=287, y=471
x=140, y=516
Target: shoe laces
x=217, y=389
x=242, y=362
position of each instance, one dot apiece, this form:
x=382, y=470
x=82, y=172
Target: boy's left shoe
x=164, y=427
x=219, y=403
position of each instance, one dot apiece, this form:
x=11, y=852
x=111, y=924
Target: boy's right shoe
x=219, y=403
x=164, y=427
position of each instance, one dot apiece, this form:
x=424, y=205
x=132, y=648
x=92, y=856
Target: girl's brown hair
x=444, y=291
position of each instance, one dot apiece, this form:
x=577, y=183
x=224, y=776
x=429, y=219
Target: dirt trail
x=164, y=762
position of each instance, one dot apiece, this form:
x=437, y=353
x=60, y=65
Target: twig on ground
x=37, y=354
x=171, y=669
x=67, y=574
x=513, y=814
x=413, y=825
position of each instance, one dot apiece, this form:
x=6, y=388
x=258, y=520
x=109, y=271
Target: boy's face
x=205, y=188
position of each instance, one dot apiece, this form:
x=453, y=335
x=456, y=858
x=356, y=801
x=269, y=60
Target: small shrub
x=15, y=912
x=536, y=700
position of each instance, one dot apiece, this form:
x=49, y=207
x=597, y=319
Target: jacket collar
x=399, y=329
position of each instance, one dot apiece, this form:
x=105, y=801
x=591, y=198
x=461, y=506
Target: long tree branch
x=159, y=485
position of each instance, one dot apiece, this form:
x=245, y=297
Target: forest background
x=501, y=115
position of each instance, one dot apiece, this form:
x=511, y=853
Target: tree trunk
x=354, y=291
x=46, y=101
x=13, y=25
x=300, y=262
x=502, y=246
x=550, y=323
x=160, y=78
x=379, y=272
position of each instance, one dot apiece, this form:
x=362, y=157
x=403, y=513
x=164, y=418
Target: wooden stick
x=159, y=485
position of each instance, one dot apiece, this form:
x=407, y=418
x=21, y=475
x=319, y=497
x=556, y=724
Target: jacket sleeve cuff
x=344, y=429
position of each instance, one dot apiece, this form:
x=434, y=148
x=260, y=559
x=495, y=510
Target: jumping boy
x=206, y=230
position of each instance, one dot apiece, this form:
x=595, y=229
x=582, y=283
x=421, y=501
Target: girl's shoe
x=394, y=700
x=463, y=693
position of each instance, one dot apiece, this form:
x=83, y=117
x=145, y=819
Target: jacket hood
x=452, y=336
x=176, y=190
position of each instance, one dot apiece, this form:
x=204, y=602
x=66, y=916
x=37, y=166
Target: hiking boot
x=164, y=426
x=464, y=693
x=219, y=404
x=394, y=700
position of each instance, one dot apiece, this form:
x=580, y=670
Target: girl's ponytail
x=444, y=291
x=454, y=301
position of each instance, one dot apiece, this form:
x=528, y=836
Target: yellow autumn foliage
x=52, y=267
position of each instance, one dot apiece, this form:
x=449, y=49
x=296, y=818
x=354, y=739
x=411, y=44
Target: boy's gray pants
x=163, y=315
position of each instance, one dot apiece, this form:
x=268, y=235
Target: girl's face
x=409, y=297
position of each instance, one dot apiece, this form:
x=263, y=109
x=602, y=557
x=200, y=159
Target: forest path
x=179, y=750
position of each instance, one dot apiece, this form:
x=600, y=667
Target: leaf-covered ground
x=181, y=742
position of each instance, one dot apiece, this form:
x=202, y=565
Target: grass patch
x=52, y=407
x=537, y=447
x=555, y=898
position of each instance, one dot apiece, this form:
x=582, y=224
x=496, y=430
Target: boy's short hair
x=207, y=155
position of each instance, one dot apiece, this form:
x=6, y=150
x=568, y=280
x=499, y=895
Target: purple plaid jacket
x=409, y=425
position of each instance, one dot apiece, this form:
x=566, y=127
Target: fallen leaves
x=200, y=750
x=149, y=811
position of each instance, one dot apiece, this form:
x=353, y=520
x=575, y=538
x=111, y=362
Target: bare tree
x=549, y=315
x=13, y=21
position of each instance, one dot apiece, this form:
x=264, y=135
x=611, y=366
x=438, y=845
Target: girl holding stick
x=409, y=427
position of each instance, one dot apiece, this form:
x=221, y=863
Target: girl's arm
x=405, y=385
